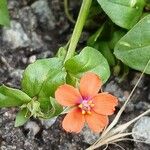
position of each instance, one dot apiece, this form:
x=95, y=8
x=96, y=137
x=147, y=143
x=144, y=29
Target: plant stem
x=78, y=27
x=67, y=12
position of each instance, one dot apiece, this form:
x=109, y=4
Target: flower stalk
x=78, y=28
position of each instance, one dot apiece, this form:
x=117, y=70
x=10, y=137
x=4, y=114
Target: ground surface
x=38, y=29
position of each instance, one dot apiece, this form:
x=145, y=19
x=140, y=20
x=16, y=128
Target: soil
x=14, y=59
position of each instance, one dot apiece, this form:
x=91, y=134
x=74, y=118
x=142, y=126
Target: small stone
x=46, y=54
x=9, y=114
x=89, y=136
x=32, y=127
x=32, y=59
x=142, y=105
x=135, y=79
x=113, y=87
x=15, y=36
x=141, y=130
x=24, y=60
x=17, y=73
x=37, y=42
x=28, y=144
x=129, y=108
x=13, y=4
x=48, y=123
x=44, y=14
x=28, y=19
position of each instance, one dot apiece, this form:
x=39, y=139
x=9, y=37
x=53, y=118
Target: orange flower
x=87, y=105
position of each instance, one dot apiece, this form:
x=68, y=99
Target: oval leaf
x=50, y=108
x=134, y=48
x=89, y=60
x=54, y=79
x=10, y=97
x=38, y=77
x=124, y=13
x=21, y=118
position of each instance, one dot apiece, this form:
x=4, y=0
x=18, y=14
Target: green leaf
x=116, y=36
x=107, y=53
x=45, y=105
x=43, y=76
x=61, y=53
x=40, y=80
x=56, y=108
x=104, y=33
x=89, y=60
x=134, y=48
x=50, y=108
x=124, y=13
x=21, y=118
x=92, y=39
x=4, y=15
x=10, y=97
x=71, y=80
x=54, y=79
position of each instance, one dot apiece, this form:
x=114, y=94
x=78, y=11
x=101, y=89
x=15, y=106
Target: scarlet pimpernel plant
x=121, y=40
x=41, y=78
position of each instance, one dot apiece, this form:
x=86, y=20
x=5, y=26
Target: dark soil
x=14, y=60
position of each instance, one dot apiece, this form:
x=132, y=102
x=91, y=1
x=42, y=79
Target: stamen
x=92, y=105
x=80, y=106
x=90, y=102
x=83, y=112
x=89, y=112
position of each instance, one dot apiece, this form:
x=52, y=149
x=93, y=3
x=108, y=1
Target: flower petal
x=96, y=121
x=74, y=121
x=67, y=95
x=104, y=103
x=90, y=84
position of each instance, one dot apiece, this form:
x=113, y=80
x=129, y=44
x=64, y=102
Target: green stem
x=78, y=27
x=67, y=12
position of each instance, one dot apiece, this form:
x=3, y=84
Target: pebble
x=33, y=127
x=114, y=88
x=49, y=122
x=141, y=129
x=28, y=19
x=89, y=136
x=44, y=14
x=16, y=73
x=32, y=59
x=15, y=36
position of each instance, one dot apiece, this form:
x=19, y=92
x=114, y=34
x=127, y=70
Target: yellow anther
x=83, y=112
x=92, y=105
x=90, y=102
x=89, y=112
x=80, y=106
